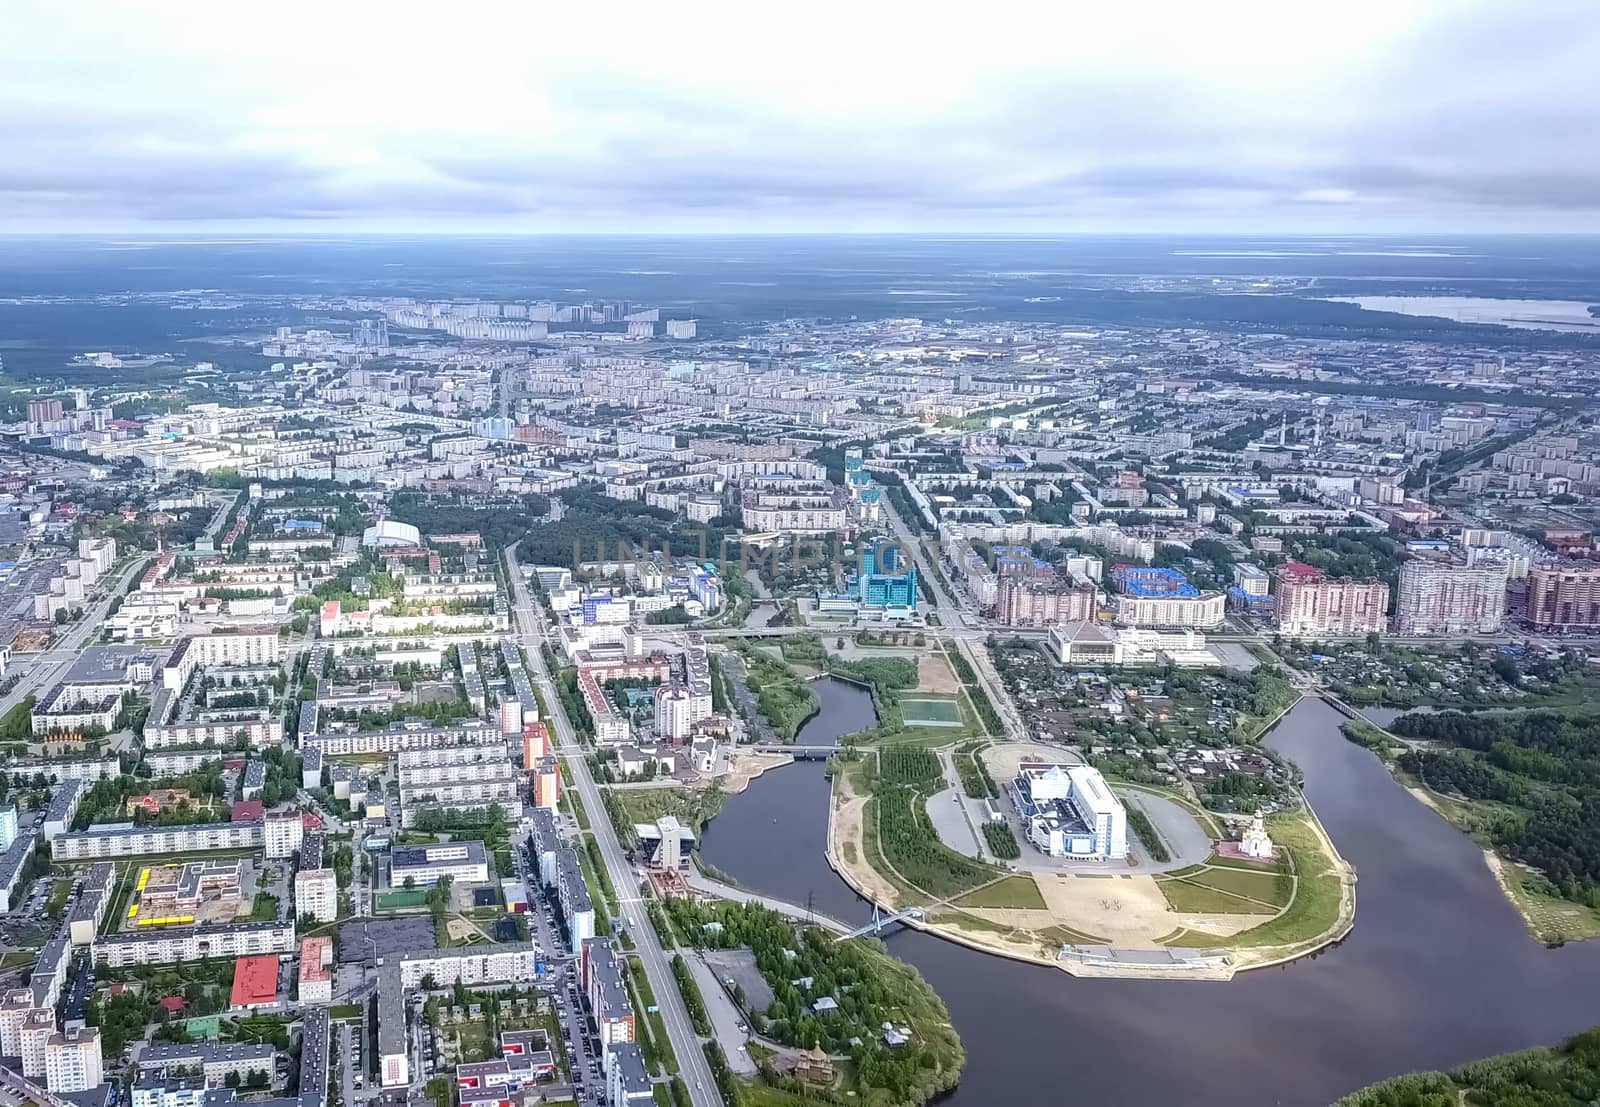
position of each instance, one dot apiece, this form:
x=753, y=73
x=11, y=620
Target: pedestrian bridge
x=880, y=920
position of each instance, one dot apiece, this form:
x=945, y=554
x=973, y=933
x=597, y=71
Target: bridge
x=801, y=753
x=880, y=920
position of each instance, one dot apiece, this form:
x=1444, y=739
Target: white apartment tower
x=1437, y=596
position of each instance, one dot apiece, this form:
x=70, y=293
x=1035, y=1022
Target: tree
x=410, y=883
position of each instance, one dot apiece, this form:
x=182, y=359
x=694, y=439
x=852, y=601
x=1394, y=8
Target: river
x=1439, y=969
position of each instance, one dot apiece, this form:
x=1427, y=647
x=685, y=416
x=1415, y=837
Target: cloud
x=1429, y=115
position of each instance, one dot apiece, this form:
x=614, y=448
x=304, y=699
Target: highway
x=686, y=1043
x=48, y=667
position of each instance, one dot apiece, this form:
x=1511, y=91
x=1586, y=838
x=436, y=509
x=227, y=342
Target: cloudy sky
x=860, y=116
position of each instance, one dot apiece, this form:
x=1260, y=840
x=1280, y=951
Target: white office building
x=1070, y=811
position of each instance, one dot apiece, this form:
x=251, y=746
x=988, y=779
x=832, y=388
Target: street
x=685, y=1043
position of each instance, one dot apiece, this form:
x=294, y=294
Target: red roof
x=310, y=821
x=246, y=811
x=174, y=1004
x=255, y=981
x=1300, y=569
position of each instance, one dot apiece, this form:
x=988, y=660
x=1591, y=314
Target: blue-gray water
x=1439, y=970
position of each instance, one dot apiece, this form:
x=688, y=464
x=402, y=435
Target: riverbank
x=1549, y=918
x=1112, y=923
x=745, y=766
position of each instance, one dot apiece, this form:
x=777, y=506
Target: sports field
x=929, y=711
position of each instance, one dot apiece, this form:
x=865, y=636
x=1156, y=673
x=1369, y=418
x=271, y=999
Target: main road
x=52, y=663
x=685, y=1042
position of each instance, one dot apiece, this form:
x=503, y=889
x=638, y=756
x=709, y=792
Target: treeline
x=975, y=691
x=1001, y=841
x=1145, y=831
x=1568, y=1076
x=975, y=779
x=1544, y=764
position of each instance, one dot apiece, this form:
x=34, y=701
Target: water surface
x=1438, y=971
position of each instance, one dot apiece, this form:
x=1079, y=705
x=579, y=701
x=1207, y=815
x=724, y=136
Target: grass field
x=1312, y=912
x=1551, y=917
x=1263, y=886
x=1199, y=899
x=1014, y=893
x=929, y=711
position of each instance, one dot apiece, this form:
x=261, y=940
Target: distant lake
x=1543, y=315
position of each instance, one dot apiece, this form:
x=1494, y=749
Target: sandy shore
x=745, y=767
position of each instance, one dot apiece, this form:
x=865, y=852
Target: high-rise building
x=535, y=743
x=510, y=715
x=547, y=783
x=72, y=1060
x=41, y=412
x=1028, y=603
x=316, y=893
x=680, y=328
x=887, y=579
x=1309, y=604
x=281, y=833
x=1160, y=597
x=8, y=825
x=674, y=713
x=1563, y=595
x=1439, y=596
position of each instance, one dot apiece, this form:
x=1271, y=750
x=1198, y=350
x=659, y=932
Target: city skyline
x=1445, y=118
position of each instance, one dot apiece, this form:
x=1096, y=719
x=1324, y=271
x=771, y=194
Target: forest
x=593, y=525
x=1568, y=1076
x=1544, y=766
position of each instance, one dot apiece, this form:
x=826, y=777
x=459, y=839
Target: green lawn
x=1014, y=893
x=1315, y=907
x=1263, y=886
x=1201, y=900
x=345, y=1011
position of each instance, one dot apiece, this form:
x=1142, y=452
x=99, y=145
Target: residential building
x=316, y=970
x=1159, y=597
x=627, y=1079
x=1563, y=594
x=607, y=993
x=1021, y=602
x=128, y=840
x=281, y=833
x=547, y=783
x=171, y=945
x=1439, y=596
x=316, y=893
x=215, y=1061
x=501, y=963
x=1311, y=605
